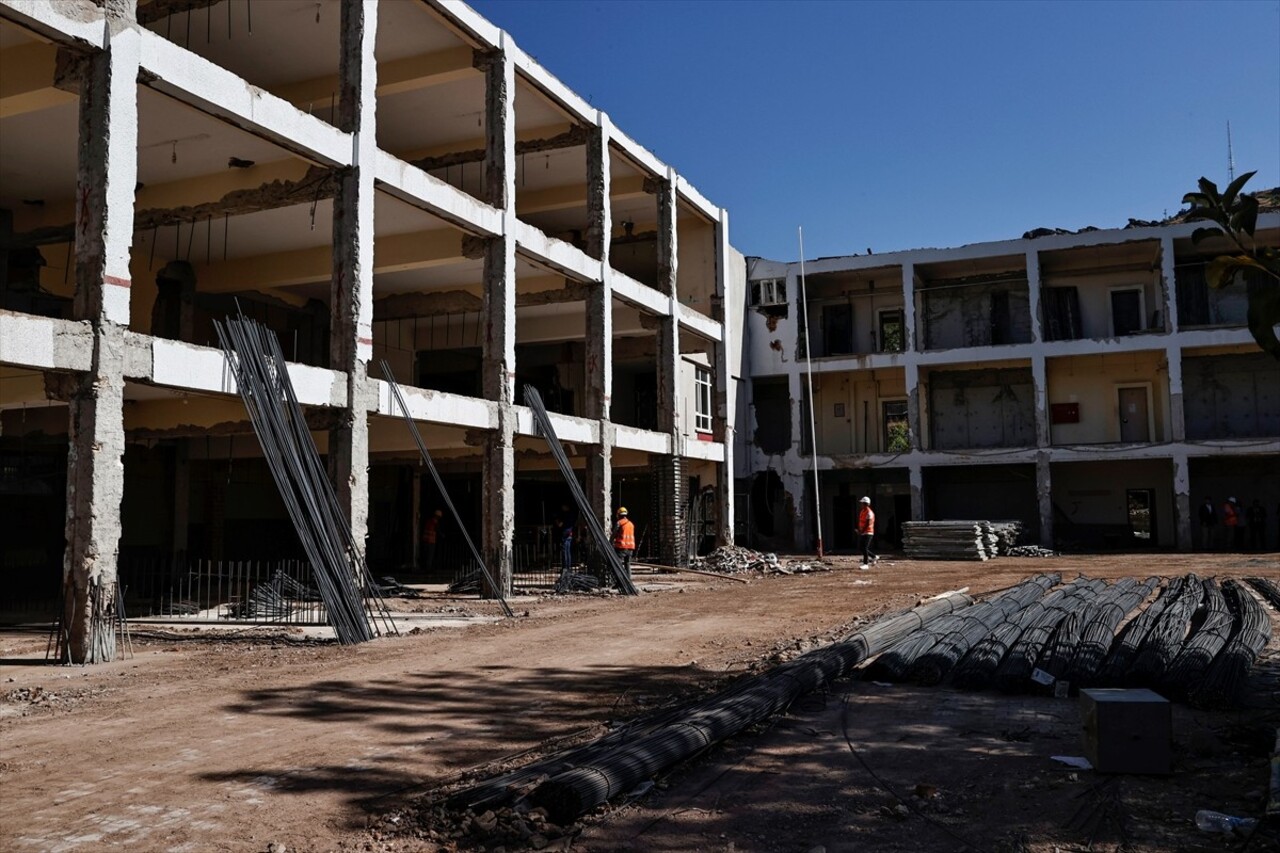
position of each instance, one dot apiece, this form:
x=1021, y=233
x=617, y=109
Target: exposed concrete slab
x=44, y=343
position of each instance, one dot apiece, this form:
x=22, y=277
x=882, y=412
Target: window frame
x=703, y=421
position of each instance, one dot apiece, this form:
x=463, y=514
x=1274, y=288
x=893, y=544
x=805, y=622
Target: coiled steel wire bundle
x=1014, y=672
x=1127, y=645
x=1164, y=641
x=1210, y=632
x=1223, y=683
x=1100, y=633
x=932, y=666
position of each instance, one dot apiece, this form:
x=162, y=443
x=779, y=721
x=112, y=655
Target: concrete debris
x=1029, y=551
x=733, y=559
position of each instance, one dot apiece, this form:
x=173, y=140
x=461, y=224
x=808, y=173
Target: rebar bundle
x=1270, y=590
x=898, y=661
x=1223, y=683
x=497, y=588
x=1061, y=649
x=977, y=668
x=572, y=792
x=1126, y=647
x=1207, y=638
x=534, y=401
x=1014, y=672
x=1100, y=632
x=1164, y=641
x=976, y=625
x=253, y=353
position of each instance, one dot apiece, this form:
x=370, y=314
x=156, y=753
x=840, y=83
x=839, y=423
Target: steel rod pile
x=1214, y=628
x=948, y=540
x=1099, y=632
x=976, y=625
x=897, y=661
x=1058, y=653
x=444, y=493
x=567, y=795
x=1014, y=672
x=262, y=376
x=1126, y=647
x=534, y=401
x=977, y=669
x=1223, y=683
x=1270, y=590
x=1164, y=641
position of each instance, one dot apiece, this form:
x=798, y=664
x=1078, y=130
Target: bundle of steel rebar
x=977, y=668
x=1164, y=641
x=534, y=401
x=946, y=540
x=932, y=666
x=1210, y=631
x=1100, y=632
x=897, y=661
x=1270, y=590
x=1126, y=646
x=1223, y=683
x=1056, y=657
x=498, y=590
x=1014, y=672
x=262, y=377
x=567, y=795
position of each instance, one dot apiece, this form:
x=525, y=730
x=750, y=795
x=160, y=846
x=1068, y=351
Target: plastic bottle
x=1224, y=824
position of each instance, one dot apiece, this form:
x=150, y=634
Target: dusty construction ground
x=226, y=744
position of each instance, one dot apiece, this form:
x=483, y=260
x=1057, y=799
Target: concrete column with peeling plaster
x=106, y=172
x=599, y=321
x=915, y=480
x=1040, y=386
x=1169, y=284
x=1182, y=501
x=726, y=393
x=911, y=375
x=1177, y=409
x=498, y=357
x=909, y=307
x=1033, y=295
x=1044, y=497
x=351, y=288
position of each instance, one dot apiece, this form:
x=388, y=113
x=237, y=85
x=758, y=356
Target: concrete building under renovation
x=1090, y=385
x=391, y=180
x=398, y=180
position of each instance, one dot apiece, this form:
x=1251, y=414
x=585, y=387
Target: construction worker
x=1233, y=538
x=624, y=540
x=566, y=522
x=430, y=534
x=867, y=533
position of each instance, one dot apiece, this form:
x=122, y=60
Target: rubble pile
x=734, y=559
x=1029, y=551
x=519, y=827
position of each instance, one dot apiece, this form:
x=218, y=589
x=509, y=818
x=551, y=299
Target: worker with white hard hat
x=624, y=540
x=866, y=533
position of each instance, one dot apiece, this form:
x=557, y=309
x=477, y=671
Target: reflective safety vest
x=1229, y=515
x=866, y=521
x=624, y=535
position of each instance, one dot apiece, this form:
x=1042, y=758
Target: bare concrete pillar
x=1040, y=384
x=1182, y=501
x=911, y=372
x=909, y=307
x=1168, y=284
x=726, y=389
x=106, y=171
x=599, y=322
x=915, y=478
x=351, y=288
x=1177, y=429
x=498, y=464
x=1044, y=497
x=670, y=523
x=1033, y=295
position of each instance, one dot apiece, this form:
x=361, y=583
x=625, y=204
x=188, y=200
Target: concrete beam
x=395, y=77
x=42, y=343
x=543, y=290
x=75, y=22
x=570, y=138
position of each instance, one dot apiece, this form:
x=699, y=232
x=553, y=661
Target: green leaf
x=1229, y=194
x=1196, y=200
x=1247, y=219
x=1264, y=316
x=1221, y=271
x=1201, y=234
x=1210, y=189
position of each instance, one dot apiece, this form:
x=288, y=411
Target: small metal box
x=1127, y=731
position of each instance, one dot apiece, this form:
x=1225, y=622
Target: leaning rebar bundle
x=1100, y=632
x=1204, y=643
x=534, y=401
x=1223, y=683
x=932, y=666
x=262, y=377
x=1270, y=590
x=1014, y=672
x=977, y=668
x=567, y=795
x=497, y=589
x=1061, y=649
x=1164, y=641
x=1126, y=646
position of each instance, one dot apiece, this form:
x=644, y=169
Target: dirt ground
x=239, y=742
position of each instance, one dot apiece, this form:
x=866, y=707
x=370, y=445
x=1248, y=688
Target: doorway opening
x=1142, y=515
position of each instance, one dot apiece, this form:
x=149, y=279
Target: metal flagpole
x=808, y=359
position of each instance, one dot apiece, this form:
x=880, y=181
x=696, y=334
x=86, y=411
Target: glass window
x=897, y=430
x=702, y=399
x=891, y=332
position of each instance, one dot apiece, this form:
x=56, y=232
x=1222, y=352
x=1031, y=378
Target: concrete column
x=1033, y=295
x=726, y=391
x=911, y=373
x=1044, y=497
x=1168, y=284
x=670, y=523
x=915, y=477
x=498, y=360
x=1039, y=381
x=1177, y=420
x=1182, y=501
x=909, y=306
x=351, y=288
x=106, y=171
x=599, y=321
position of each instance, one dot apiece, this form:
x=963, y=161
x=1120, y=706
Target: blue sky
x=900, y=125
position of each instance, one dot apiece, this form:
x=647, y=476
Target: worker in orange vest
x=867, y=533
x=430, y=534
x=1231, y=525
x=624, y=540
